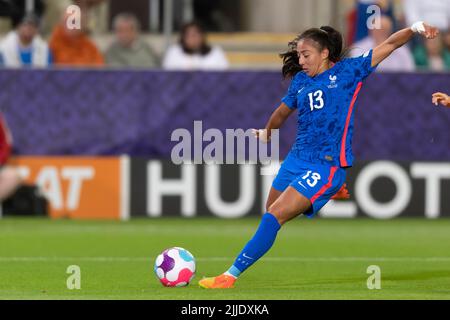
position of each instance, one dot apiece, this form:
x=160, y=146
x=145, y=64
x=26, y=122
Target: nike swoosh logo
x=300, y=90
x=245, y=256
x=300, y=183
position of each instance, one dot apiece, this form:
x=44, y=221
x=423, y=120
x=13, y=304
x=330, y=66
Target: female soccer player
x=324, y=89
x=442, y=98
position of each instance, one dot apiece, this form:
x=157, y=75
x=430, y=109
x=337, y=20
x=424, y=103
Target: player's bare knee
x=277, y=212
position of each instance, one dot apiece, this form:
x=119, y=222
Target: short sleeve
x=290, y=99
x=362, y=65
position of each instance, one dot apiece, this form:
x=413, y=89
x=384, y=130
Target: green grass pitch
x=311, y=259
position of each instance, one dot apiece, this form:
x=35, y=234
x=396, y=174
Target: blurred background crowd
x=208, y=35
x=75, y=113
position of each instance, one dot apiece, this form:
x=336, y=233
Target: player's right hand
x=261, y=134
x=442, y=98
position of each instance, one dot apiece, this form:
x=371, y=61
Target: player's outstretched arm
x=276, y=120
x=401, y=37
x=442, y=98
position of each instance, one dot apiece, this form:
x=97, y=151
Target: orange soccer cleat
x=342, y=194
x=220, y=282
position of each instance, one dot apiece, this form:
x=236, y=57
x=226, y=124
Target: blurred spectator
x=193, y=52
x=432, y=55
x=72, y=47
x=358, y=17
x=434, y=12
x=128, y=50
x=400, y=60
x=10, y=179
x=24, y=46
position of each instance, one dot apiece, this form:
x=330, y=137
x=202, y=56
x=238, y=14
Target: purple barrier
x=98, y=112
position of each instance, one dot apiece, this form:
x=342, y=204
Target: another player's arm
x=442, y=98
x=276, y=120
x=399, y=38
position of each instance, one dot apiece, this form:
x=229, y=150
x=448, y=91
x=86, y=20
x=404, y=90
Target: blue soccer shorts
x=317, y=182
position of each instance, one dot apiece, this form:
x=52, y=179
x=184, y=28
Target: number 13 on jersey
x=316, y=100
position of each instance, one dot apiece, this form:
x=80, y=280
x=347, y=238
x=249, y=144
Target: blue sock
x=260, y=243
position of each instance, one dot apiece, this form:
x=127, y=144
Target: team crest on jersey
x=333, y=83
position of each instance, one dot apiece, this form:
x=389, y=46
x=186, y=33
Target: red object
x=342, y=194
x=5, y=141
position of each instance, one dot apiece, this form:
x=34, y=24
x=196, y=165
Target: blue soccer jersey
x=326, y=105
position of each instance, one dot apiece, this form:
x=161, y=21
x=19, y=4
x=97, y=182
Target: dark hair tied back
x=326, y=37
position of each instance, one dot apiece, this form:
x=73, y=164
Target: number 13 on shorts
x=311, y=178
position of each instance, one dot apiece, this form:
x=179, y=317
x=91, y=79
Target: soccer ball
x=175, y=267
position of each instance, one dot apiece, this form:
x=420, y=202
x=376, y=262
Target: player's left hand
x=442, y=98
x=261, y=134
x=430, y=31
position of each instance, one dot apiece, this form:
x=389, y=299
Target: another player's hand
x=261, y=134
x=442, y=98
